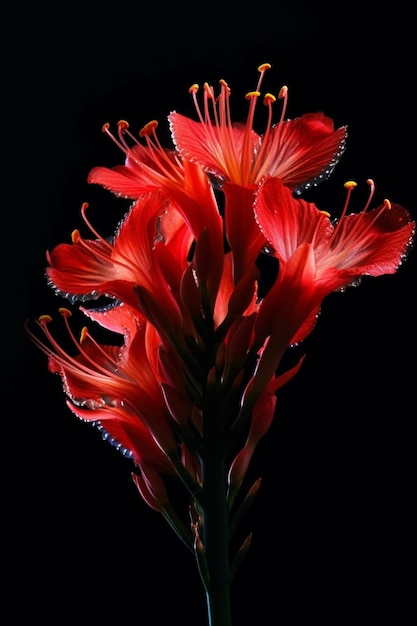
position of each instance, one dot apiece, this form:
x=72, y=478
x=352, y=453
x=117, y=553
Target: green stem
x=215, y=526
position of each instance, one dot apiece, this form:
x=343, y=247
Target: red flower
x=190, y=386
x=301, y=152
x=151, y=167
x=317, y=257
x=116, y=386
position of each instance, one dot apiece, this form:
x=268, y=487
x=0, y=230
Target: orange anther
x=252, y=94
x=83, y=334
x=264, y=66
x=148, y=128
x=269, y=97
x=44, y=319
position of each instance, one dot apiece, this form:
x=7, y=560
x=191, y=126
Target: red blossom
x=189, y=386
x=301, y=152
x=317, y=257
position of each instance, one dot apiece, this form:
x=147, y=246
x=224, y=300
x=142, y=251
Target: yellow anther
x=44, y=319
x=148, y=128
x=282, y=92
x=123, y=125
x=194, y=88
x=252, y=94
x=64, y=312
x=326, y=213
x=264, y=66
x=75, y=236
x=208, y=90
x=350, y=184
x=105, y=127
x=225, y=86
x=269, y=97
x=83, y=334
x=387, y=203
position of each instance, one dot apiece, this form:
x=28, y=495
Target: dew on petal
x=105, y=435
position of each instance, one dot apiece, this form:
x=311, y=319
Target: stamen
x=246, y=161
x=228, y=150
x=371, y=184
x=262, y=70
x=264, y=66
x=386, y=206
x=359, y=230
x=224, y=108
x=242, y=163
x=283, y=95
x=223, y=83
x=57, y=353
x=121, y=145
x=269, y=97
x=173, y=170
x=45, y=319
x=217, y=125
x=76, y=236
x=257, y=168
x=252, y=94
x=122, y=129
x=105, y=243
x=83, y=336
x=97, y=253
x=209, y=95
x=66, y=314
x=148, y=129
x=193, y=90
x=349, y=185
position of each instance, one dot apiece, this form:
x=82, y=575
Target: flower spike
x=187, y=387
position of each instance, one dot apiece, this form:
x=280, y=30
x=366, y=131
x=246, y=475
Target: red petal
x=120, y=180
x=76, y=269
x=192, y=142
x=378, y=246
x=285, y=221
x=304, y=151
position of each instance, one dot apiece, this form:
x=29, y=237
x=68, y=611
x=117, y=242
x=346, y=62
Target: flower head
x=189, y=387
x=301, y=152
x=317, y=257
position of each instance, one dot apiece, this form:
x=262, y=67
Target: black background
x=335, y=521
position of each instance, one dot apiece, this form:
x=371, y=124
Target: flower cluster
x=191, y=387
